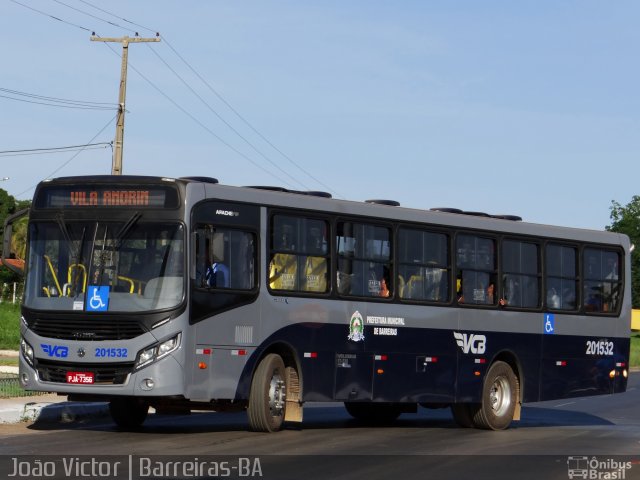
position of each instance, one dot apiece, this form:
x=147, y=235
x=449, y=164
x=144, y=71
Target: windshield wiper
x=76, y=263
x=75, y=253
x=65, y=233
x=120, y=236
x=117, y=243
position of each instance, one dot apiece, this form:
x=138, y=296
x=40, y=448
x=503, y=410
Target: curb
x=65, y=412
x=51, y=412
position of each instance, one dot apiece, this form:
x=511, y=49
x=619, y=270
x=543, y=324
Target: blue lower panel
x=429, y=365
x=583, y=366
x=416, y=377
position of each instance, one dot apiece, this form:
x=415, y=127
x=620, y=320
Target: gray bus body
x=471, y=318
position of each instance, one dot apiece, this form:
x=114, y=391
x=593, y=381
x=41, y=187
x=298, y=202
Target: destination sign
x=85, y=198
x=107, y=196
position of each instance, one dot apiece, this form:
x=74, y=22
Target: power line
x=55, y=152
x=76, y=107
x=39, y=151
x=56, y=99
x=118, y=17
x=243, y=138
x=216, y=93
x=245, y=121
x=50, y=16
x=171, y=100
x=288, y=158
x=72, y=157
x=88, y=143
x=86, y=13
x=212, y=110
x=204, y=127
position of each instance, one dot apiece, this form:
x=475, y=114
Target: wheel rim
x=500, y=396
x=277, y=394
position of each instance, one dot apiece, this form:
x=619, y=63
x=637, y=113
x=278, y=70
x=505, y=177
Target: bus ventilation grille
x=82, y=329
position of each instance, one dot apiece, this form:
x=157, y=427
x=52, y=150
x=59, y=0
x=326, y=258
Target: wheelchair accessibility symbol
x=549, y=324
x=97, y=299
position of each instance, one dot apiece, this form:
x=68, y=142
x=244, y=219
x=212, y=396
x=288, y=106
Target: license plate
x=80, y=377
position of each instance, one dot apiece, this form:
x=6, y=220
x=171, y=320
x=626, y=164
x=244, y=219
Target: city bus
x=187, y=295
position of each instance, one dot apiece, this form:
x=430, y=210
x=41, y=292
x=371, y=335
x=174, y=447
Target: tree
x=8, y=206
x=626, y=219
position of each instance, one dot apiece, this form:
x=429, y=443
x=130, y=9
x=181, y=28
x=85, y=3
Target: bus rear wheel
x=500, y=394
x=267, y=398
x=128, y=413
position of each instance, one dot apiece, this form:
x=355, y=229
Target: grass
x=634, y=359
x=9, y=326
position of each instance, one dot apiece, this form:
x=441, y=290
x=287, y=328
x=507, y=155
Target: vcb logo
x=470, y=342
x=59, y=351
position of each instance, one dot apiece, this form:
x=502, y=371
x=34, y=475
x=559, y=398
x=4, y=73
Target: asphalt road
x=329, y=444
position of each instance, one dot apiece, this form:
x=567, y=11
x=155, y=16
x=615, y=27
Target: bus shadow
x=321, y=418
x=531, y=417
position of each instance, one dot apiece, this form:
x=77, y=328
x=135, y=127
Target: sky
x=528, y=108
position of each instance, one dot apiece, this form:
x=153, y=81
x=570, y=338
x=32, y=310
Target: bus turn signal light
x=202, y=365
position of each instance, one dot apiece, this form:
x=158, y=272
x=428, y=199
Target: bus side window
x=224, y=258
x=283, y=267
x=476, y=264
x=364, y=260
x=561, y=276
x=602, y=285
x=315, y=275
x=283, y=272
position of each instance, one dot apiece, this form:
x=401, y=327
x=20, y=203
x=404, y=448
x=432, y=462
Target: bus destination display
x=108, y=196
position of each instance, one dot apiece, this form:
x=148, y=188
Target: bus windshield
x=97, y=266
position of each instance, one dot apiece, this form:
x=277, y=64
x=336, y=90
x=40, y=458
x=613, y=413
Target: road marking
x=564, y=404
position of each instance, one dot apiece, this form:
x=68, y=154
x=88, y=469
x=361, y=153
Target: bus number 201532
x=599, y=348
x=111, y=353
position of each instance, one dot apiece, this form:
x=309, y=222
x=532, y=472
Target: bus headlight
x=157, y=351
x=27, y=351
x=145, y=357
x=169, y=346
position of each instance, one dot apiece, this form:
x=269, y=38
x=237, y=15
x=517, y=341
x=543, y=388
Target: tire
x=128, y=413
x=373, y=412
x=267, y=396
x=463, y=414
x=500, y=393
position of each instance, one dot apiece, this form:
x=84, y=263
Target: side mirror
x=10, y=258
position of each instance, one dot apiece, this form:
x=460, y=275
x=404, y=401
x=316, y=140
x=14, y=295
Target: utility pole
x=116, y=166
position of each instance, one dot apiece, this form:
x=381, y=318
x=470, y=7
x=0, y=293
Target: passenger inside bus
x=218, y=272
x=384, y=290
x=471, y=286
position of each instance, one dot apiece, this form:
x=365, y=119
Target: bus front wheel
x=267, y=398
x=500, y=394
x=128, y=413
